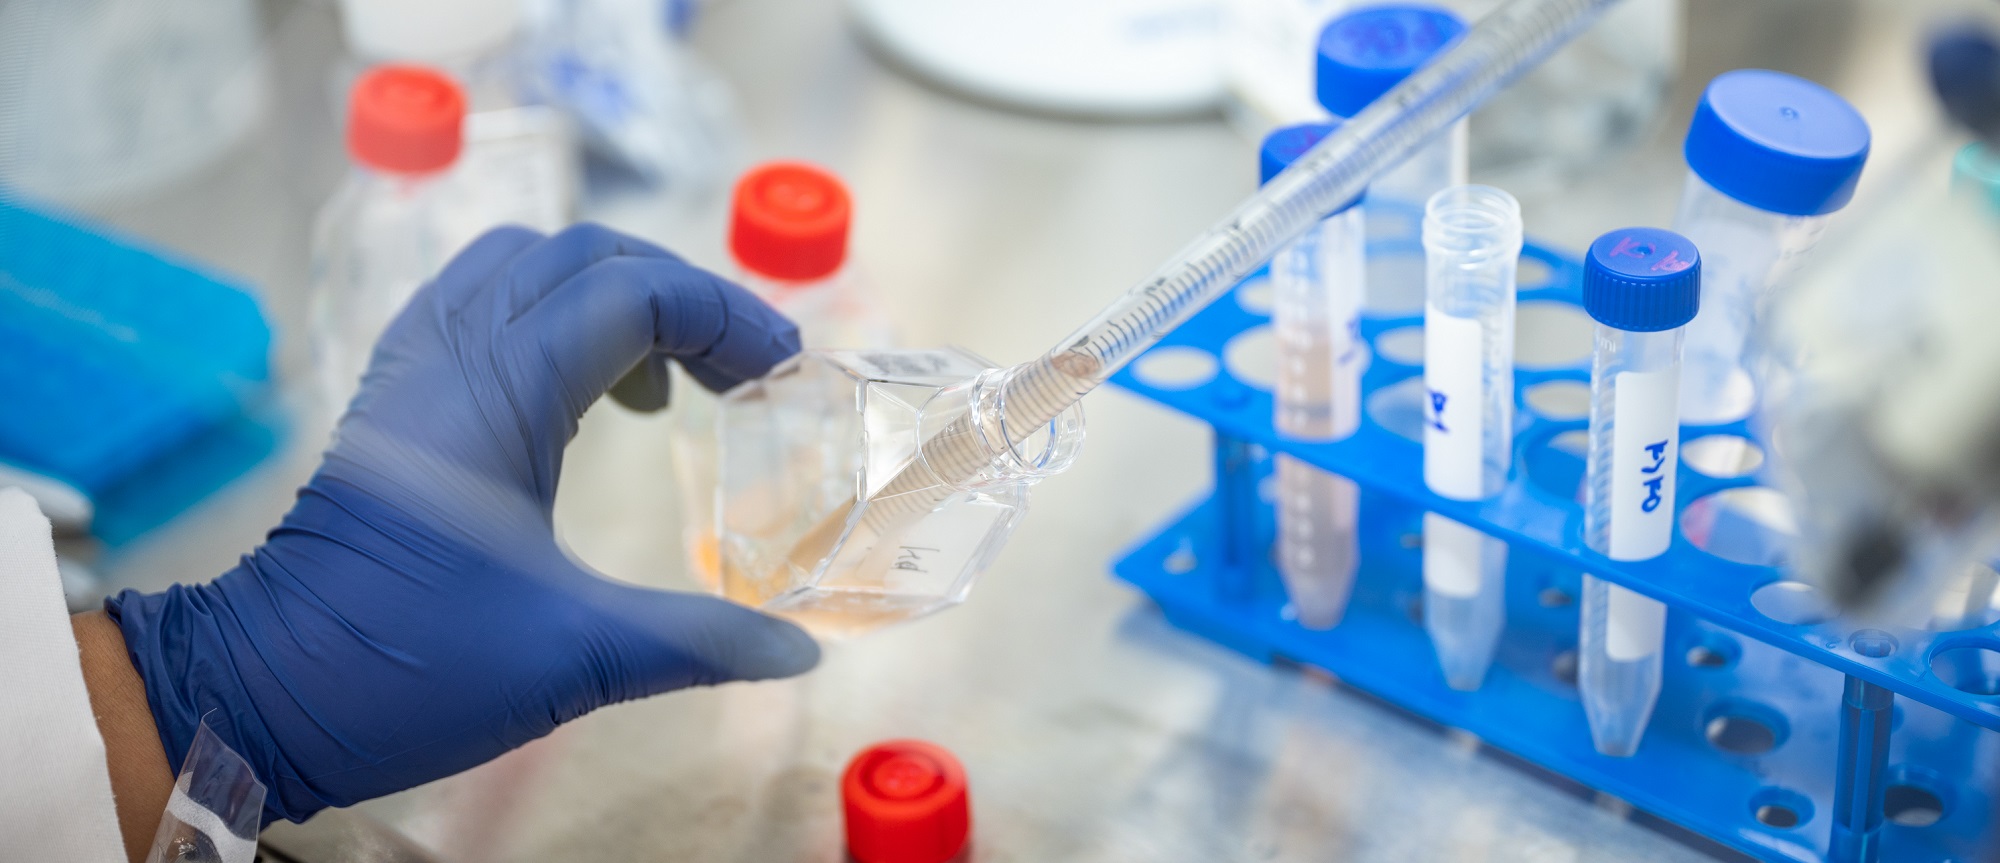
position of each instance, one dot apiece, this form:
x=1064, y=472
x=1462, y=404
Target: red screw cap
x=905, y=802
x=789, y=221
x=405, y=119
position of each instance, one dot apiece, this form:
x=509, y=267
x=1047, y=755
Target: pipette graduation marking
x=1507, y=41
x=1642, y=286
x=1317, y=286
x=1472, y=244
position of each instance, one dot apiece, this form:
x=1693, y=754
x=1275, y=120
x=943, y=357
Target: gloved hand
x=413, y=616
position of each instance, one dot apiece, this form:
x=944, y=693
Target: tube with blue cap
x=1362, y=56
x=1317, y=283
x=1642, y=286
x=1770, y=156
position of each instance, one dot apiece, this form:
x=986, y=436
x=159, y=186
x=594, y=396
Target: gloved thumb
x=660, y=641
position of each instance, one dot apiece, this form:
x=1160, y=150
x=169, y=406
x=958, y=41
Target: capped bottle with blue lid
x=1769, y=156
x=1642, y=286
x=1317, y=288
x=1362, y=55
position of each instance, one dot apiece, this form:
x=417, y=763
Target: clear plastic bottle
x=1363, y=54
x=1642, y=285
x=639, y=99
x=519, y=164
x=1472, y=237
x=1318, y=290
x=788, y=233
x=1769, y=156
x=391, y=225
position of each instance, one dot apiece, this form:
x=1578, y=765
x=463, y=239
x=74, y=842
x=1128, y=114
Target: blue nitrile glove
x=413, y=616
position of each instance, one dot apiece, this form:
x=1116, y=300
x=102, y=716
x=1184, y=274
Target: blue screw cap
x=1286, y=144
x=1364, y=53
x=1642, y=280
x=1777, y=142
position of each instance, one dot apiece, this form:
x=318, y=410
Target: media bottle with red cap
x=788, y=232
x=905, y=801
x=392, y=224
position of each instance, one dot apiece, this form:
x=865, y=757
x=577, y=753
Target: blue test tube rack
x=1781, y=733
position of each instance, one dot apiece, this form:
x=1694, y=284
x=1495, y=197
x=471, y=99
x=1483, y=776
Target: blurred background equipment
x=1126, y=59
x=1598, y=96
x=103, y=99
x=1882, y=365
x=121, y=409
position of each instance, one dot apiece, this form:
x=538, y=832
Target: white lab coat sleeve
x=55, y=799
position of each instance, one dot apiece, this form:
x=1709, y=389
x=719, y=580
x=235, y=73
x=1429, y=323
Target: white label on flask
x=1633, y=624
x=1645, y=452
x=1452, y=557
x=1454, y=409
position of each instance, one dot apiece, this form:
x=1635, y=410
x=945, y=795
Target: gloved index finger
x=601, y=322
x=544, y=266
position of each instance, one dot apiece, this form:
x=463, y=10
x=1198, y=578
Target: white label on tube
x=1452, y=555
x=1645, y=452
x=1633, y=624
x=1454, y=454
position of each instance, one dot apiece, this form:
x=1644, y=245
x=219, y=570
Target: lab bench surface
x=1090, y=728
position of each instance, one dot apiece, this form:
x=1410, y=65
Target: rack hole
x=1399, y=408
x=1256, y=294
x=1549, y=334
x=1175, y=367
x=1780, y=808
x=1792, y=602
x=1395, y=270
x=1182, y=561
x=1872, y=643
x=1557, y=467
x=1723, y=455
x=1778, y=815
x=1911, y=806
x=1742, y=728
x=1559, y=400
x=1752, y=525
x=1554, y=597
x=1252, y=357
x=1403, y=345
x=1533, y=273
x=1970, y=668
x=1714, y=651
x=1966, y=602
x=1563, y=666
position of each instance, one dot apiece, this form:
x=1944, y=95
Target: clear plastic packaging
x=1472, y=238
x=810, y=527
x=215, y=810
x=1317, y=287
x=638, y=98
x=1744, y=250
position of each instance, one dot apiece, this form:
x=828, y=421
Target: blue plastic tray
x=1735, y=678
x=124, y=372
